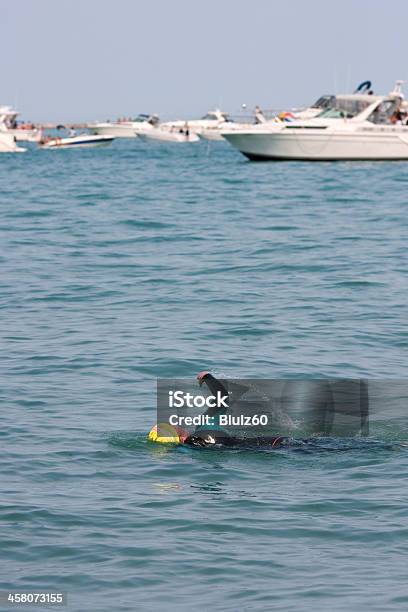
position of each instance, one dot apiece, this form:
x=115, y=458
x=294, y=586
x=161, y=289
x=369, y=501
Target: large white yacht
x=353, y=127
x=125, y=128
x=20, y=131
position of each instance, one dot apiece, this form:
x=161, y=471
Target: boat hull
x=8, y=144
x=77, y=141
x=116, y=130
x=211, y=134
x=166, y=136
x=311, y=145
x=26, y=135
x=218, y=132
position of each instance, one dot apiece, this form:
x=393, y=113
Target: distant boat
x=212, y=119
x=80, y=140
x=125, y=129
x=214, y=132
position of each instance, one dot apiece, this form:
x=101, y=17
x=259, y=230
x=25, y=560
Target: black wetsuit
x=211, y=438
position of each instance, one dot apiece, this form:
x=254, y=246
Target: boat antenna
x=335, y=79
x=397, y=91
x=348, y=78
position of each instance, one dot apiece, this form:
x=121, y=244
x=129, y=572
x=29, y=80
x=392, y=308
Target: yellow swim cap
x=163, y=433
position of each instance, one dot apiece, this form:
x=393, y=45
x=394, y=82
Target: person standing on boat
x=259, y=116
x=397, y=116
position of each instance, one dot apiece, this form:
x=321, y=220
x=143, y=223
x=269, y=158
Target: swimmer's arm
x=215, y=386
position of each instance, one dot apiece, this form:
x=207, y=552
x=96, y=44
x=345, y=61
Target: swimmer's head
x=164, y=433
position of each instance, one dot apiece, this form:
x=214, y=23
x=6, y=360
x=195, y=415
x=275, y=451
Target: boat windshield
x=324, y=102
x=216, y=116
x=344, y=108
x=389, y=111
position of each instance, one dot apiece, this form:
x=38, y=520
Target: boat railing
x=248, y=116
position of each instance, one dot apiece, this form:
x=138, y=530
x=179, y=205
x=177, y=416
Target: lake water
x=136, y=261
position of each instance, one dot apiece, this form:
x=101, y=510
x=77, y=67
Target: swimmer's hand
x=201, y=376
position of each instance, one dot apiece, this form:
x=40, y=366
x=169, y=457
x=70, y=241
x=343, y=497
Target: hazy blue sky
x=93, y=59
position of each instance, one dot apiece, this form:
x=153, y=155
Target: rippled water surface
x=132, y=262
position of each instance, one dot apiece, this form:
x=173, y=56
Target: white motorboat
x=80, y=140
x=164, y=134
x=196, y=126
x=20, y=131
x=125, y=128
x=8, y=143
x=353, y=127
x=215, y=132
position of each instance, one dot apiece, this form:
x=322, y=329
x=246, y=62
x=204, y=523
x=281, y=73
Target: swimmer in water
x=216, y=436
x=319, y=410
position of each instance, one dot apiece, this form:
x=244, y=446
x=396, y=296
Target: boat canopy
x=376, y=109
x=8, y=115
x=347, y=106
x=216, y=115
x=143, y=118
